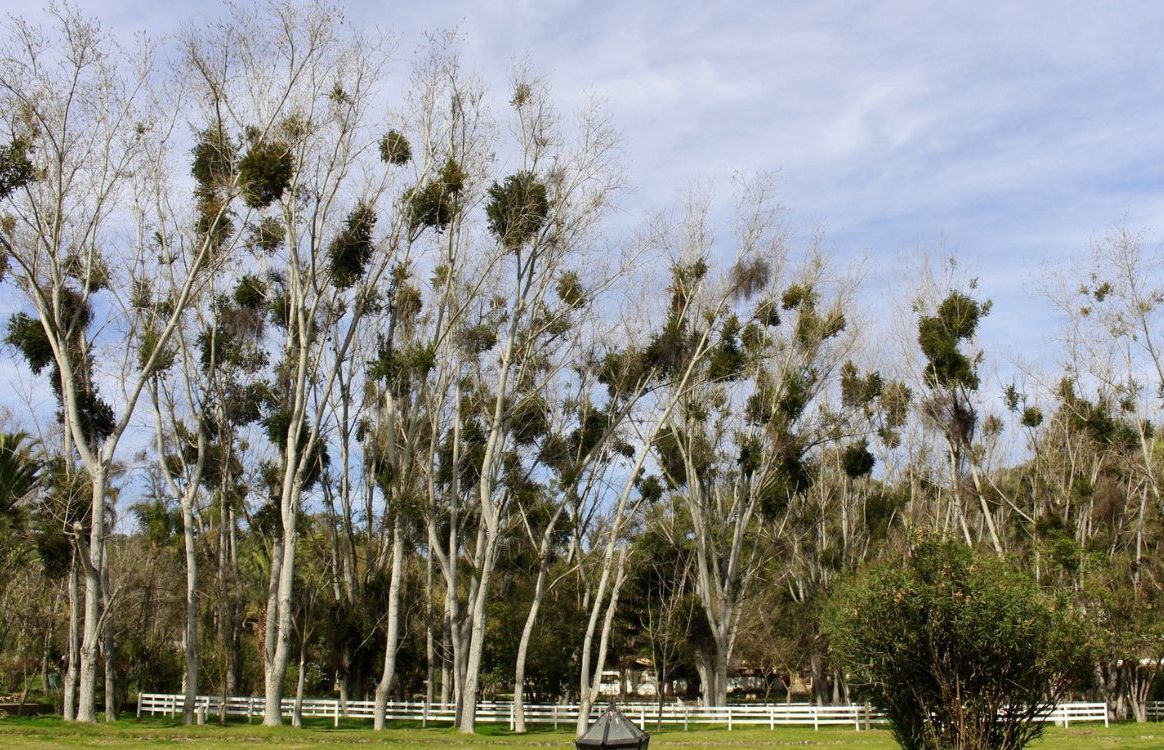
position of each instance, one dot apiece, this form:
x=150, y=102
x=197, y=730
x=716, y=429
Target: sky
x=1010, y=135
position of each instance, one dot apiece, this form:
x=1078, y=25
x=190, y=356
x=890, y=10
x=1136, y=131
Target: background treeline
x=349, y=388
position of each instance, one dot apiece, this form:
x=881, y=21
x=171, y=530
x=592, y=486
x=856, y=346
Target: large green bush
x=957, y=648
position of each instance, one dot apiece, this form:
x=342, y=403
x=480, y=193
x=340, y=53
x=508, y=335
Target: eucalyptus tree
x=81, y=130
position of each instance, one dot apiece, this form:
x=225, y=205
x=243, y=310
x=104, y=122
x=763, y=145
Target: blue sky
x=1008, y=134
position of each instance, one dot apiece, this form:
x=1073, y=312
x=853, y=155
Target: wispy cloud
x=1010, y=132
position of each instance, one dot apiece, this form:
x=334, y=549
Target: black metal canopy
x=614, y=729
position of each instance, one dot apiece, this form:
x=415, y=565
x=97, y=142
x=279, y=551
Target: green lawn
x=19, y=734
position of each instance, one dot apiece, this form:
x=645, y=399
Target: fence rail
x=1155, y=710
x=741, y=715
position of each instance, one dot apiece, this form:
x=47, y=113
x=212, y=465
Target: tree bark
x=69, y=702
x=190, y=639
x=91, y=634
x=391, y=639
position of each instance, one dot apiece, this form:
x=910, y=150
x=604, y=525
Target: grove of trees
x=343, y=386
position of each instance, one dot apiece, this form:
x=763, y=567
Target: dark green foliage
x=529, y=420
x=768, y=314
x=570, y=289
x=958, y=649
x=277, y=425
x=149, y=342
x=213, y=155
x=267, y=235
x=650, y=488
x=265, y=173
x=350, y=251
x=16, y=168
x=96, y=416
x=26, y=334
x=939, y=335
x=798, y=295
x=406, y=303
x=857, y=390
x=621, y=371
x=857, y=461
x=400, y=368
x=251, y=292
x=517, y=209
x=19, y=475
x=477, y=339
x=395, y=149
x=727, y=360
x=436, y=203
x=668, y=350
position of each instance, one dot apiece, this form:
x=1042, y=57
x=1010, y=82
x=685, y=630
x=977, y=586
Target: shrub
x=959, y=650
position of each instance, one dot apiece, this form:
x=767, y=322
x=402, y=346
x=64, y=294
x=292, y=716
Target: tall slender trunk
x=392, y=637
x=190, y=639
x=523, y=649
x=91, y=633
x=69, y=702
x=278, y=640
x=591, y=682
x=108, y=646
x=468, y=722
x=429, y=636
x=300, y=681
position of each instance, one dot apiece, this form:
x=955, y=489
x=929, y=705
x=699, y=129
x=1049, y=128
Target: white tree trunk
x=190, y=640
x=392, y=637
x=281, y=638
x=69, y=703
x=91, y=634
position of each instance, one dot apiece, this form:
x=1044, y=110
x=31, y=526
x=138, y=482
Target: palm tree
x=19, y=475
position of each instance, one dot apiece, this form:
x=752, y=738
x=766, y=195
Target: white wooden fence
x=1155, y=710
x=740, y=715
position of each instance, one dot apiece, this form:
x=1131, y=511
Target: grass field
x=19, y=734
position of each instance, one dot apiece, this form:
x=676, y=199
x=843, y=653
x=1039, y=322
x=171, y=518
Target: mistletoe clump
x=435, y=204
x=517, y=209
x=264, y=173
x=350, y=250
x=395, y=149
x=16, y=168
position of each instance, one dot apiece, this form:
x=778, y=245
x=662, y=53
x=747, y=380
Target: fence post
x=424, y=715
x=250, y=707
x=139, y=699
x=868, y=715
x=729, y=712
x=512, y=723
x=173, y=706
x=772, y=717
x=856, y=717
x=555, y=717
x=816, y=718
x=642, y=716
x=684, y=718
x=335, y=713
